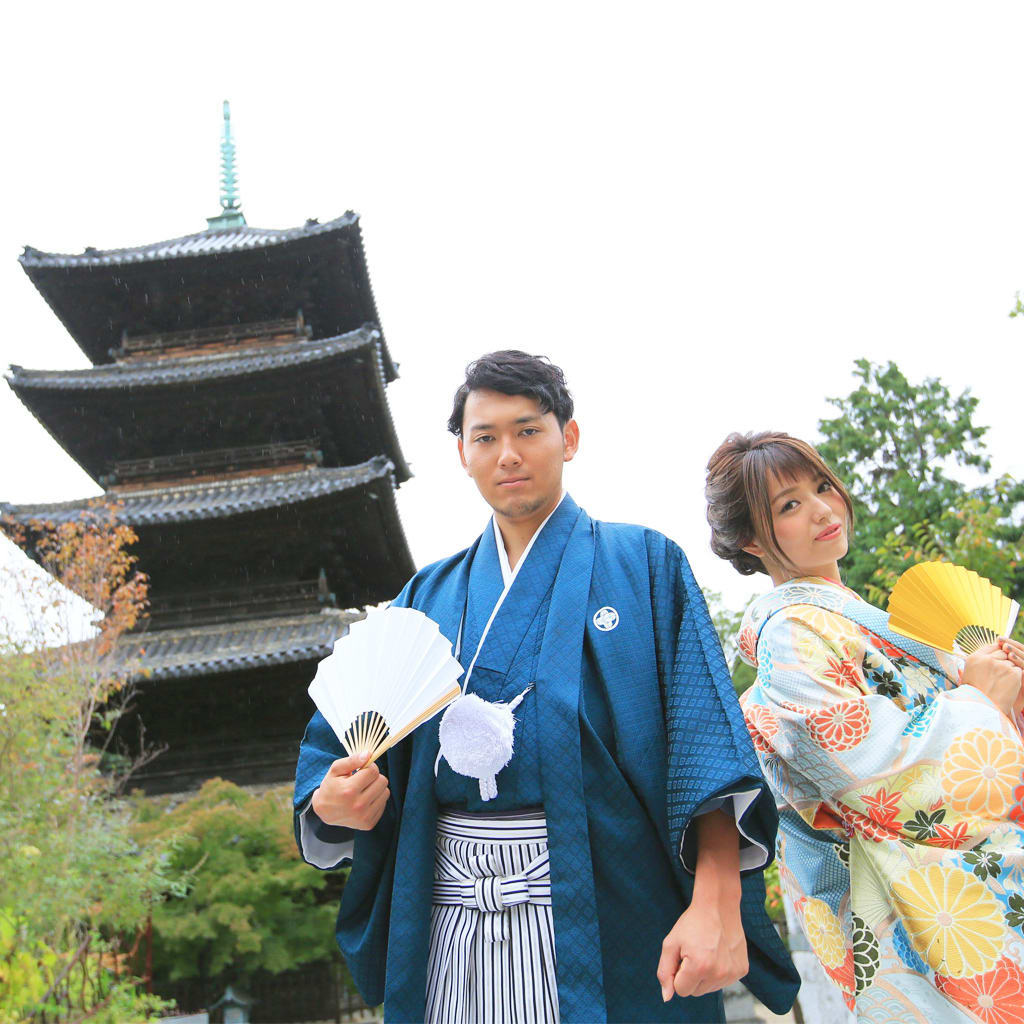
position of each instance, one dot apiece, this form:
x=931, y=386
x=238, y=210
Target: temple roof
x=231, y=646
x=201, y=243
x=258, y=530
x=208, y=279
x=331, y=389
x=205, y=366
x=179, y=503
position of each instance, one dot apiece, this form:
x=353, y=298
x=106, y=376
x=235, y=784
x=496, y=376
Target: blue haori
x=630, y=728
x=492, y=942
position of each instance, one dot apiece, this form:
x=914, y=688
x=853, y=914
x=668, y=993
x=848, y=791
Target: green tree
x=894, y=444
x=983, y=532
x=75, y=887
x=727, y=625
x=250, y=903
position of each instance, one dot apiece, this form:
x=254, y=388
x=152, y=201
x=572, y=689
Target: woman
x=898, y=776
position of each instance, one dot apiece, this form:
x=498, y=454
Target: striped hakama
x=492, y=939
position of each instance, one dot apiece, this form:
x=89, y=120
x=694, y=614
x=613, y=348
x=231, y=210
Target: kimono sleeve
x=844, y=756
x=321, y=845
x=710, y=755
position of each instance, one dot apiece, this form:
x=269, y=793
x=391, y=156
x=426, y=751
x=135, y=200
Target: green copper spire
x=231, y=215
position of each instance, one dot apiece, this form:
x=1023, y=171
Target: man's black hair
x=512, y=372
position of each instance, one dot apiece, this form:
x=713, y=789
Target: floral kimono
x=901, y=840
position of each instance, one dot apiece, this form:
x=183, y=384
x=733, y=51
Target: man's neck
x=516, y=534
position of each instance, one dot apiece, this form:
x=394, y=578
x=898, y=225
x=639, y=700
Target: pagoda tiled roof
x=201, y=243
x=178, y=503
x=208, y=279
x=206, y=366
x=231, y=646
x=333, y=389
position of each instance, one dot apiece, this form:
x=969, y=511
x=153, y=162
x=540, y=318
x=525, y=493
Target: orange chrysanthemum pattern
x=996, y=997
x=748, y=644
x=840, y=726
x=762, y=726
x=844, y=672
x=980, y=771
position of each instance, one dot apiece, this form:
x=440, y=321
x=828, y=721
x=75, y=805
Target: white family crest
x=606, y=619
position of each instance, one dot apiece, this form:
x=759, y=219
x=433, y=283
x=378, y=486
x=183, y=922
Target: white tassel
x=476, y=739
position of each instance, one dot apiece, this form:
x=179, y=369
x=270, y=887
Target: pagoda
x=236, y=410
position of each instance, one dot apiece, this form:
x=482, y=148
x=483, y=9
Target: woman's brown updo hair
x=739, y=505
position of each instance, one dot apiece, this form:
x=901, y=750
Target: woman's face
x=810, y=522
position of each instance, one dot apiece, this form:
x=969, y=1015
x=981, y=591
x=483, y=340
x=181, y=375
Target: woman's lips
x=830, y=532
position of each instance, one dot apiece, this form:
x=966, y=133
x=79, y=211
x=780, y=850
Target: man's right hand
x=992, y=671
x=354, y=799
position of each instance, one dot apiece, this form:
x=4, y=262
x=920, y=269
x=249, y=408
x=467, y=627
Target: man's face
x=514, y=452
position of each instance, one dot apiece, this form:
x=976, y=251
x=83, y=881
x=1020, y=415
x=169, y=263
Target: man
x=598, y=877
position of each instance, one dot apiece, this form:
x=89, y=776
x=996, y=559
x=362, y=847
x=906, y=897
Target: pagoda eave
x=211, y=277
x=339, y=383
x=203, y=650
x=243, y=724
x=277, y=527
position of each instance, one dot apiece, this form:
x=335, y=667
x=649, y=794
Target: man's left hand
x=705, y=951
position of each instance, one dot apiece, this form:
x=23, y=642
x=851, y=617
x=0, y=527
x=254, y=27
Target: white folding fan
x=390, y=673
x=949, y=608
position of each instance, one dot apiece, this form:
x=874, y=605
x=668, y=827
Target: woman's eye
x=791, y=504
x=825, y=485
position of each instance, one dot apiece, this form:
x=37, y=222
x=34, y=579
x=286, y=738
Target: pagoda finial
x=230, y=202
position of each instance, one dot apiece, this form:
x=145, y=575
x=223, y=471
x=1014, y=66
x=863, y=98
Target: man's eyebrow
x=522, y=419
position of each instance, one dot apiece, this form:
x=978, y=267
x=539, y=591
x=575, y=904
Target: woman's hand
x=1014, y=651
x=351, y=797
x=995, y=672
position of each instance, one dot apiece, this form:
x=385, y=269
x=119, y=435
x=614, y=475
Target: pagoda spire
x=230, y=202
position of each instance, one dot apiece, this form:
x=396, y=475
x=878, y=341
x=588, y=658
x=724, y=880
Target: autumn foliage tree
x=75, y=887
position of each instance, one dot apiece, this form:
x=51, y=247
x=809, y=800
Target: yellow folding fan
x=950, y=608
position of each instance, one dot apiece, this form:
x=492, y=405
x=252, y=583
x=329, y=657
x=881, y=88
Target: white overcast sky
x=703, y=211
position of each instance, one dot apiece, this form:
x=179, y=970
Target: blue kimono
x=632, y=724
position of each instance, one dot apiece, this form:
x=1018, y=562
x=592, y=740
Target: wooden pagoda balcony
x=210, y=339
x=216, y=463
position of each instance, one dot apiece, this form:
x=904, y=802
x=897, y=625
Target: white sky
x=703, y=211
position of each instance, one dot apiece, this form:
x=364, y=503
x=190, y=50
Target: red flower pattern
x=854, y=821
x=845, y=673
x=748, y=644
x=949, y=838
x=995, y=997
x=840, y=726
x=762, y=726
x=843, y=976
x=883, y=807
x=890, y=650
x=1016, y=811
